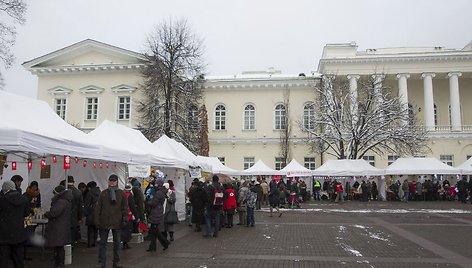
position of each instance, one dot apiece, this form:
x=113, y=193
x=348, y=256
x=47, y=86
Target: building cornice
x=85, y=68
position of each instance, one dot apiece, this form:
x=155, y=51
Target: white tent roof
x=295, y=169
x=139, y=148
x=466, y=167
x=172, y=147
x=417, y=166
x=347, y=167
x=259, y=168
x=217, y=166
x=29, y=125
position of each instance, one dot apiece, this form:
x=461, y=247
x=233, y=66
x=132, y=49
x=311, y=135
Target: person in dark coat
x=274, y=197
x=17, y=179
x=111, y=213
x=198, y=198
x=58, y=228
x=138, y=196
x=92, y=193
x=156, y=216
x=132, y=217
x=76, y=211
x=34, y=196
x=171, y=199
x=13, y=210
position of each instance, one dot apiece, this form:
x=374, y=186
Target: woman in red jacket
x=229, y=205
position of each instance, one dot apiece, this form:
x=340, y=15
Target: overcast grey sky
x=241, y=35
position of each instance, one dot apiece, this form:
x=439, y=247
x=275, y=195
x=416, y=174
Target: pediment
x=123, y=88
x=59, y=91
x=91, y=89
x=87, y=52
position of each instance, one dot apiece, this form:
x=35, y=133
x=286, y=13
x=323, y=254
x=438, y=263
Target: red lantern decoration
x=43, y=162
x=106, y=165
x=94, y=164
x=66, y=162
x=101, y=165
x=76, y=160
x=13, y=165
x=85, y=163
x=54, y=159
x=30, y=165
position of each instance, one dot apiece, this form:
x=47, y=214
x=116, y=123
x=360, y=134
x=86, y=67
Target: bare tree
x=286, y=129
x=12, y=12
x=172, y=86
x=375, y=122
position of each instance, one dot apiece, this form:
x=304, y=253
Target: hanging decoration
x=54, y=159
x=85, y=163
x=43, y=162
x=13, y=165
x=66, y=162
x=101, y=165
x=76, y=160
x=106, y=165
x=94, y=164
x=30, y=164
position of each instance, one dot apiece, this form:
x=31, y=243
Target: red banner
x=66, y=162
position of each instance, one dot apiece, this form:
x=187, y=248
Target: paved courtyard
x=323, y=234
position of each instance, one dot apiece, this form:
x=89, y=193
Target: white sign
x=140, y=171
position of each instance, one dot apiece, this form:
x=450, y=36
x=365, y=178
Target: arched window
x=280, y=117
x=309, y=116
x=220, y=117
x=249, y=117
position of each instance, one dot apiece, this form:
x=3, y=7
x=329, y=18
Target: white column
x=428, y=100
x=378, y=84
x=455, y=100
x=403, y=89
x=353, y=96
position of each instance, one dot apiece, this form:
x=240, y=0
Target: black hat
x=16, y=178
x=70, y=179
x=215, y=178
x=113, y=177
x=59, y=189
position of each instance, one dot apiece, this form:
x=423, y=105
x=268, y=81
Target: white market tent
x=295, y=169
x=419, y=166
x=259, y=168
x=466, y=167
x=217, y=166
x=139, y=148
x=172, y=147
x=347, y=168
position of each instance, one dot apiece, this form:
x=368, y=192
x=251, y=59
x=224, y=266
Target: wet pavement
x=320, y=234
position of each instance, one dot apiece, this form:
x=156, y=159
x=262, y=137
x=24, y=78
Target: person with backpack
x=216, y=196
x=251, y=199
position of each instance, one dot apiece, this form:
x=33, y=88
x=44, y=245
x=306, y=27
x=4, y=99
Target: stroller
x=293, y=200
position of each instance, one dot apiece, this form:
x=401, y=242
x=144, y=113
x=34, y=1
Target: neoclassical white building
x=90, y=81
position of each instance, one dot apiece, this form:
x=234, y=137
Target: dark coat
x=58, y=228
x=111, y=215
x=90, y=202
x=274, y=193
x=156, y=205
x=13, y=210
x=198, y=198
x=139, y=201
x=77, y=210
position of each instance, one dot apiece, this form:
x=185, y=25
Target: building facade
x=89, y=82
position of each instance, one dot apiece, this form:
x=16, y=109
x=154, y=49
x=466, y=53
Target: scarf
x=31, y=192
x=113, y=193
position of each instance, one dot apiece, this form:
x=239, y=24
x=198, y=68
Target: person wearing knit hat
x=58, y=229
x=156, y=217
x=14, y=209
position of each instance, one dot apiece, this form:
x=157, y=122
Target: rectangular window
x=124, y=107
x=92, y=108
x=60, y=107
x=248, y=162
x=222, y=159
x=310, y=163
x=279, y=163
x=447, y=159
x=370, y=159
x=391, y=159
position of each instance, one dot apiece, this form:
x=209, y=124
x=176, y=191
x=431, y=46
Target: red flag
x=66, y=162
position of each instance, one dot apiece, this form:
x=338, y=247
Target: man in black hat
x=111, y=212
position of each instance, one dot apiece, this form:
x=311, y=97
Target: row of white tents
x=32, y=132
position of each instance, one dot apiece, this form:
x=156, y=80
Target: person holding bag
x=170, y=214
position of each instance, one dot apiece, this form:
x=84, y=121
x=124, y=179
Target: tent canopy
x=295, y=169
x=217, y=166
x=347, y=167
x=418, y=165
x=259, y=168
x=466, y=167
x=139, y=148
